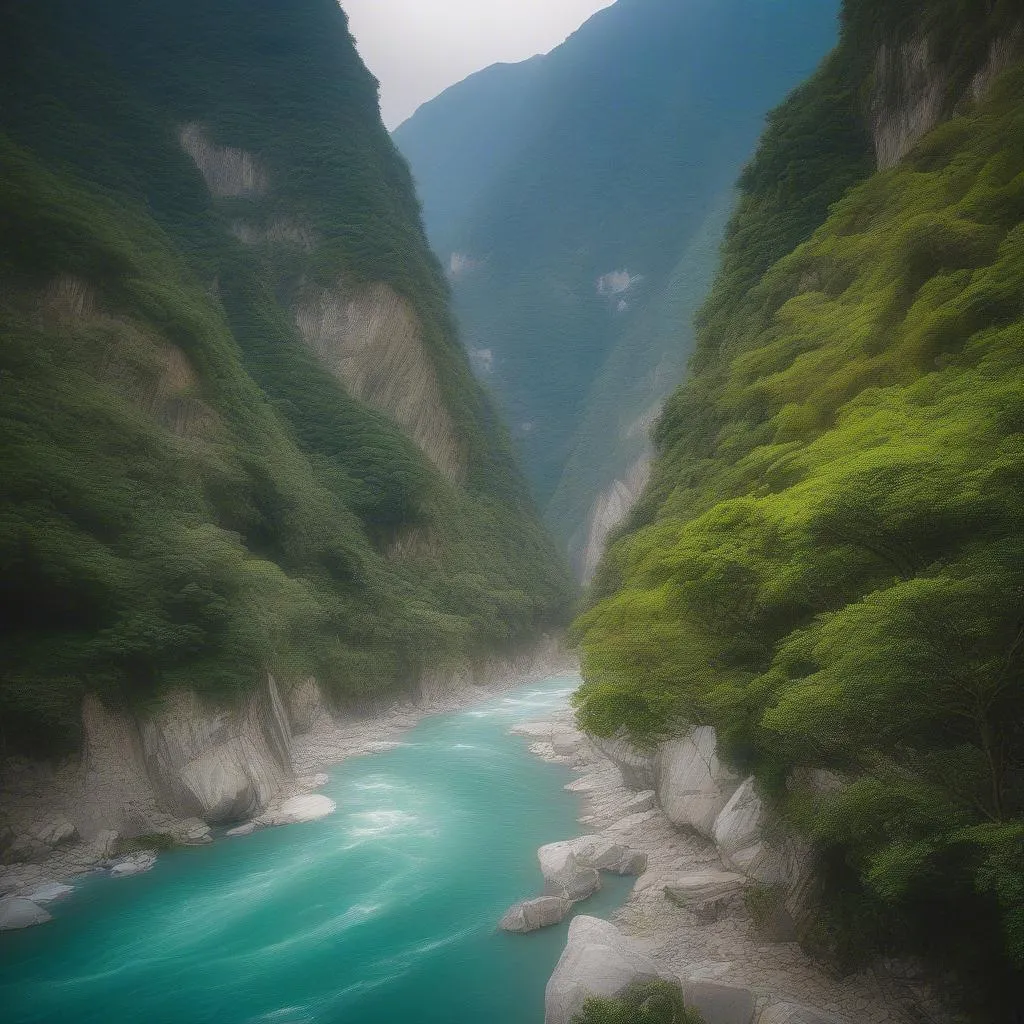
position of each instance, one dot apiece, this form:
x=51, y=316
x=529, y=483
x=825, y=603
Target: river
x=382, y=913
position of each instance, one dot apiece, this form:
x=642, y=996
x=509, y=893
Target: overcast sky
x=417, y=48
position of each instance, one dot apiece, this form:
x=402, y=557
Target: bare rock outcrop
x=371, y=339
x=912, y=91
x=693, y=785
x=532, y=915
x=228, y=172
x=598, y=960
x=610, y=508
x=18, y=913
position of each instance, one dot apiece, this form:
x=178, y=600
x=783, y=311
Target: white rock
x=243, y=830
x=573, y=882
x=535, y=730
x=531, y=915
x=50, y=891
x=693, y=785
x=701, y=887
x=739, y=834
x=317, y=781
x=636, y=767
x=607, y=855
x=309, y=807
x=597, y=961
x=136, y=864
x=16, y=912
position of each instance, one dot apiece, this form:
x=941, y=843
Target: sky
x=417, y=48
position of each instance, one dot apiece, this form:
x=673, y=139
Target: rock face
x=739, y=835
x=370, y=338
x=228, y=173
x=693, y=786
x=598, y=960
x=531, y=915
x=911, y=91
x=573, y=882
x=221, y=766
x=636, y=766
x=698, y=889
x=609, y=510
x=20, y=913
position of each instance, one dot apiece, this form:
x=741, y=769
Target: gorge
x=278, y=583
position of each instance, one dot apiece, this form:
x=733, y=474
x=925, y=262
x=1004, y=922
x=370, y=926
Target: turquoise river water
x=383, y=912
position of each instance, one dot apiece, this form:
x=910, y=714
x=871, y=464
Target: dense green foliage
x=636, y=128
x=829, y=564
x=189, y=497
x=656, y=1002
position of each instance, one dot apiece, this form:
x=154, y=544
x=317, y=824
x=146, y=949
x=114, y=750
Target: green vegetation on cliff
x=190, y=497
x=829, y=563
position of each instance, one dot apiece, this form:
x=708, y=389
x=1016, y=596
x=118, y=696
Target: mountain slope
x=827, y=564
x=566, y=239
x=240, y=432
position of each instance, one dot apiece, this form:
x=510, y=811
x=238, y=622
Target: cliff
x=242, y=439
x=578, y=201
x=824, y=567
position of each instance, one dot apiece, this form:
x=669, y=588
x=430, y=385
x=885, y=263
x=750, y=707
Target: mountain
x=827, y=566
x=578, y=201
x=240, y=433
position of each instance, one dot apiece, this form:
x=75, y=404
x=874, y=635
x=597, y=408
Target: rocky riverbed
x=691, y=917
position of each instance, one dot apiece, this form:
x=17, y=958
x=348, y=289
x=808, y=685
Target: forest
x=828, y=566
x=190, y=497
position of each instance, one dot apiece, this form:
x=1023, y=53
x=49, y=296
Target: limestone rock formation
x=531, y=915
x=369, y=337
x=136, y=864
x=598, y=960
x=636, y=766
x=693, y=785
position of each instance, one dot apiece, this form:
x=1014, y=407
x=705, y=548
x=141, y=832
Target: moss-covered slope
x=829, y=564
x=195, y=486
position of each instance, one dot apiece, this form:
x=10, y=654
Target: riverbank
x=713, y=942
x=59, y=822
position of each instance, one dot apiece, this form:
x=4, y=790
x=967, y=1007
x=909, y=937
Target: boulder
x=700, y=888
x=573, y=882
x=531, y=915
x=693, y=786
x=309, y=807
x=720, y=1004
x=598, y=960
x=57, y=832
x=794, y=1013
x=47, y=892
x=135, y=864
x=20, y=913
x=243, y=830
x=607, y=855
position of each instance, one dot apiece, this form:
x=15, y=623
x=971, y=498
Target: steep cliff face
x=825, y=567
x=244, y=436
